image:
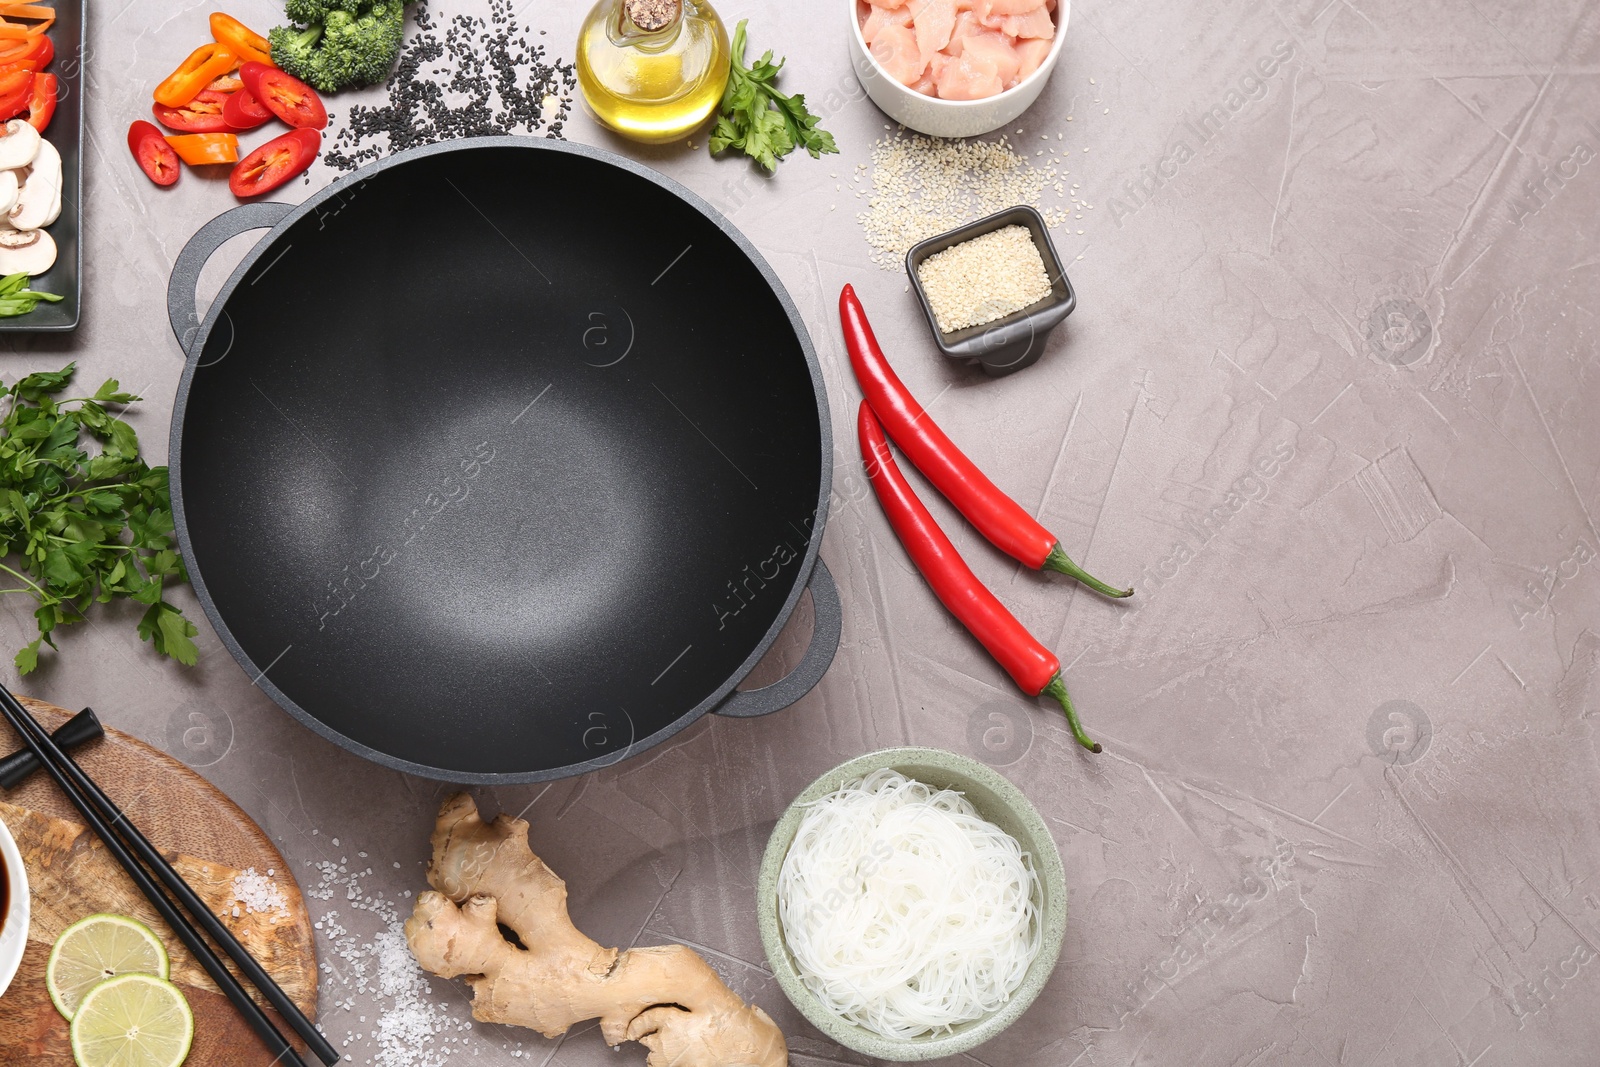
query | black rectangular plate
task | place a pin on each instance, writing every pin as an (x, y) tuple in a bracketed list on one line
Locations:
[(66, 133)]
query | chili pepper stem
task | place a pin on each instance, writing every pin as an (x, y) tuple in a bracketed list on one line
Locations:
[(1058, 690), (1058, 560)]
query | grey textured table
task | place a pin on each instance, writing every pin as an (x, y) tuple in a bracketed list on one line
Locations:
[(1328, 400)]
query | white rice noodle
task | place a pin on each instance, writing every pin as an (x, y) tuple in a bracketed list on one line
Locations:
[(907, 913)]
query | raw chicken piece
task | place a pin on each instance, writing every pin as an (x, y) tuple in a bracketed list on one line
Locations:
[(881, 17), (987, 8), (970, 76), (928, 84), (890, 4), (896, 51), (967, 24), (992, 48), (1032, 53), (1038, 24), (933, 21)]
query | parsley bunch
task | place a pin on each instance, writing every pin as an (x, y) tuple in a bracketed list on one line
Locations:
[(759, 120), (84, 528)]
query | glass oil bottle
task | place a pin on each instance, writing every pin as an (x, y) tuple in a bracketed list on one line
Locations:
[(653, 70)]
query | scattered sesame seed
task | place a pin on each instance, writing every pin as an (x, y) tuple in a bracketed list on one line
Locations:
[(924, 186)]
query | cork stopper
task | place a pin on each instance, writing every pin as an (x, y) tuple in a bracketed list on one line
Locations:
[(652, 15)]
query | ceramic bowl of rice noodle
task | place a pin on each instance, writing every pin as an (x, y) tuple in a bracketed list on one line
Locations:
[(911, 904), (955, 68)]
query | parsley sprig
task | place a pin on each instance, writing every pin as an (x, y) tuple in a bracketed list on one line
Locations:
[(75, 528), (760, 121)]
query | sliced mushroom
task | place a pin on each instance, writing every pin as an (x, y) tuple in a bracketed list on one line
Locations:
[(26, 251), (40, 193), (19, 143), (9, 191), (55, 208)]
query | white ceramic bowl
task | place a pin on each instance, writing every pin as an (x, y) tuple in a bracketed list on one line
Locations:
[(950, 118), (14, 924)]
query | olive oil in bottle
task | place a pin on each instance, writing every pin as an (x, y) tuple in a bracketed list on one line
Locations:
[(653, 70)]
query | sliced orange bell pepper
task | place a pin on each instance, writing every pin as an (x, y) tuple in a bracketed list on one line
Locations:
[(209, 61), (240, 39), (228, 83), (35, 54), (199, 149)]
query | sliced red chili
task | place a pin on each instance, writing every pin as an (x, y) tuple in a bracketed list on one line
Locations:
[(203, 114), (244, 112), (274, 163), (152, 152), (999, 518), (1034, 668), (286, 96)]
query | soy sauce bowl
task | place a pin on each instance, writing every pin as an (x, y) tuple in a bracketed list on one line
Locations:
[(14, 923), (998, 801)]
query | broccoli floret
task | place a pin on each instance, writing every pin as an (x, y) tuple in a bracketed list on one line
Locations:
[(312, 12), (353, 42)]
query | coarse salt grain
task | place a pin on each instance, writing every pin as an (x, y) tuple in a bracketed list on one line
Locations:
[(259, 894), (984, 279)]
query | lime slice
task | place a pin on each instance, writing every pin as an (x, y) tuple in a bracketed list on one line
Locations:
[(132, 1020), (94, 949)]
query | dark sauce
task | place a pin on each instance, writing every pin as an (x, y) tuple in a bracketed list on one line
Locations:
[(5, 893)]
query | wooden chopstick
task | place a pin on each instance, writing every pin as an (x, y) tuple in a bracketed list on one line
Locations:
[(99, 810)]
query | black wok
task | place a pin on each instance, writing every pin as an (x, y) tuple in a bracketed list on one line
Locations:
[(500, 460)]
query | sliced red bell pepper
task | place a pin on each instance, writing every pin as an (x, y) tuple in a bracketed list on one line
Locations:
[(205, 63), (16, 89), (42, 101)]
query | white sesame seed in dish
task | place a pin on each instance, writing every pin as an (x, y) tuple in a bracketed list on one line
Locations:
[(984, 279)]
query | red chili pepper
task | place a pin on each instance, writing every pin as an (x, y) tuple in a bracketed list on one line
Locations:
[(998, 517), (1034, 668)]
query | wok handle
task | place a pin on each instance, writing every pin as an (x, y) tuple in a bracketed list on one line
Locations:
[(182, 311), (829, 623)]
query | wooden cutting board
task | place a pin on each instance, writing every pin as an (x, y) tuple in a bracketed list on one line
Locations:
[(204, 835)]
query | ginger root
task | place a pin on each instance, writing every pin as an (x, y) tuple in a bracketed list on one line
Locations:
[(666, 998)]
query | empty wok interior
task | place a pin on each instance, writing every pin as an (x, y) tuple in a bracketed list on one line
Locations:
[(501, 461)]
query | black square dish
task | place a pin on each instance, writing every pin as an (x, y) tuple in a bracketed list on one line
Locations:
[(1017, 340), (65, 132)]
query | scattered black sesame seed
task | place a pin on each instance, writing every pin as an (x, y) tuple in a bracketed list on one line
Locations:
[(482, 79)]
